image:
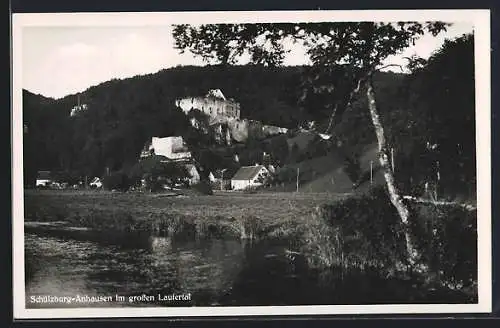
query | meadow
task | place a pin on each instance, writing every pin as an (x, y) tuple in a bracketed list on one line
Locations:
[(227, 214), (350, 232)]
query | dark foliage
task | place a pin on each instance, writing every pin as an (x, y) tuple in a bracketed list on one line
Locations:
[(446, 236), (118, 181), (203, 187), (441, 123), (157, 172)]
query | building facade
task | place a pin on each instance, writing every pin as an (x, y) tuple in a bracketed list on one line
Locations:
[(43, 179), (249, 176), (214, 104), (78, 109), (224, 118), (194, 175), (172, 148)]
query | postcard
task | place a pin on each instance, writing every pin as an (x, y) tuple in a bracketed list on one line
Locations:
[(251, 163)]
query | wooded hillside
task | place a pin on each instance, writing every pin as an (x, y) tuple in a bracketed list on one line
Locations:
[(433, 105)]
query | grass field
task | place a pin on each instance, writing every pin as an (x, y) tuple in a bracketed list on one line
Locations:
[(331, 230), (230, 213)]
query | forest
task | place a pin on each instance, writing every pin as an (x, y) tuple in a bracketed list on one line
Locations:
[(431, 108)]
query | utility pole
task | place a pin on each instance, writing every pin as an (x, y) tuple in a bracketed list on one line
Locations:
[(371, 172), (438, 178), (298, 172), (392, 159), (222, 179)]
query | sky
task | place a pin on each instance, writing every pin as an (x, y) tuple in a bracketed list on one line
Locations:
[(58, 61)]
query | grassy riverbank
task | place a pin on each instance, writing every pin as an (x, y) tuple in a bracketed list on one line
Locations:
[(264, 215), (365, 234), (329, 231)]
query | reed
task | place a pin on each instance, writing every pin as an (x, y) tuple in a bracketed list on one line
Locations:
[(361, 234)]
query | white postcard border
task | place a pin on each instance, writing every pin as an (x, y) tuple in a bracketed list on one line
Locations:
[(481, 22)]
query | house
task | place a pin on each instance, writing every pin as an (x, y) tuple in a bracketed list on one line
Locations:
[(43, 179), (96, 183), (221, 179), (249, 176), (78, 109), (193, 174), (173, 148), (271, 168)]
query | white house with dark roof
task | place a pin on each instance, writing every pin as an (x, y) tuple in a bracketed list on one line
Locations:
[(194, 175), (43, 178), (249, 176)]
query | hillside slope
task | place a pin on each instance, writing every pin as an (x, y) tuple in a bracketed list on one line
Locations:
[(123, 114), (331, 172), (334, 178)]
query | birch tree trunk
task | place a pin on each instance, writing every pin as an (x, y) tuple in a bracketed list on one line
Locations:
[(395, 197)]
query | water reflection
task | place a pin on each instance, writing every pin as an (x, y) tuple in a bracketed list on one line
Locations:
[(67, 266), (214, 272)]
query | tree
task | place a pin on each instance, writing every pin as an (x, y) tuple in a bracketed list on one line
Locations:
[(175, 174), (152, 169), (442, 100), (359, 48), (157, 171)]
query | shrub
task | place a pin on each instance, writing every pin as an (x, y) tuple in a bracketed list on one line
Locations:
[(116, 181), (447, 238), (368, 229), (203, 187), (353, 168), (250, 227), (367, 232), (251, 189), (70, 177)]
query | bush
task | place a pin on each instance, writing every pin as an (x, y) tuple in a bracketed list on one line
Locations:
[(116, 181), (203, 188), (251, 189), (353, 169), (447, 238), (368, 232), (368, 229), (70, 177)]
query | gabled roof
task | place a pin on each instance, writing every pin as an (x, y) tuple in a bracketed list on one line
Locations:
[(216, 93), (190, 167), (44, 175), (248, 172), (228, 173)]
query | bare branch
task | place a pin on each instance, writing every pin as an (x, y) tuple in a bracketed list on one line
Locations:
[(358, 86), (332, 116), (349, 101), (391, 65)]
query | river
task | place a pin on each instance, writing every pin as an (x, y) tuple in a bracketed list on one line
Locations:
[(140, 269)]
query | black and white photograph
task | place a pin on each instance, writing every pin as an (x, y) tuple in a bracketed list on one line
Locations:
[(182, 164)]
